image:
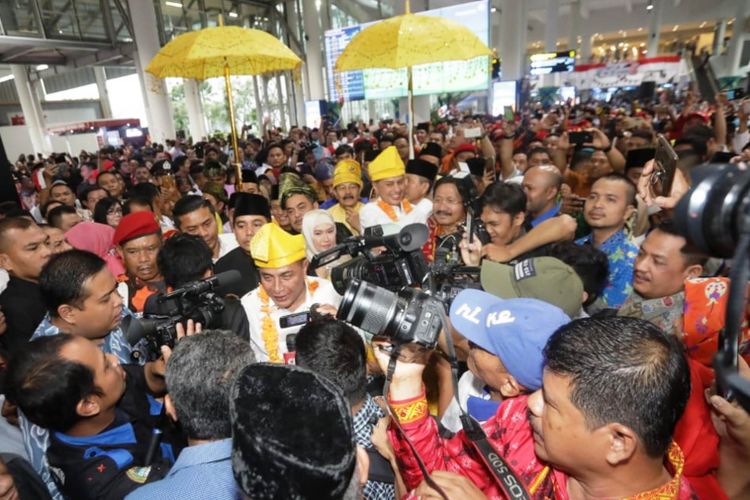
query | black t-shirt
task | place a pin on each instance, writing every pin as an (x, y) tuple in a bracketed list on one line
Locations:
[(23, 306), (109, 465), (240, 261)]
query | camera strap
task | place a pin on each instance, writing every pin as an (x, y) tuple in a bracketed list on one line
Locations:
[(494, 461)]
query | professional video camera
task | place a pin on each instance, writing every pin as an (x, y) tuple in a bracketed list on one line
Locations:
[(197, 300), (714, 216), (401, 264), (407, 316)]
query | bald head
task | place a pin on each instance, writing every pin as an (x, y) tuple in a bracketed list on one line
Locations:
[(542, 184)]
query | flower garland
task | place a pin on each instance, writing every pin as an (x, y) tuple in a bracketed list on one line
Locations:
[(269, 333), (388, 209)]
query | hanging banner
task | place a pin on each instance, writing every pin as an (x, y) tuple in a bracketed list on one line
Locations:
[(666, 69)]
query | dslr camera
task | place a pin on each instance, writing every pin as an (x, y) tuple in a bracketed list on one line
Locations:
[(401, 263), (404, 317), (198, 300)]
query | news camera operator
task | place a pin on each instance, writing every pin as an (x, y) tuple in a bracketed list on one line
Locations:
[(185, 259)]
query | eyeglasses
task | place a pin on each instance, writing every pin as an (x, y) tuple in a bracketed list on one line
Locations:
[(114, 211)]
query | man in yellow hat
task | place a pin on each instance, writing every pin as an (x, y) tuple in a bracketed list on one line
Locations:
[(388, 175), (276, 308), (347, 187)]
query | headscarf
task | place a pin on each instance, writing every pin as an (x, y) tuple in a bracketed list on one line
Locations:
[(97, 239), (310, 221)]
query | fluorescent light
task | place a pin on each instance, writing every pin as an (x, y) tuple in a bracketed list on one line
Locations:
[(675, 27), (650, 5), (234, 14), (5, 78), (41, 67), (493, 9), (176, 5), (703, 24)]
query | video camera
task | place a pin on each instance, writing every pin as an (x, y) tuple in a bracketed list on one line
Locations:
[(401, 264), (197, 300), (714, 216)]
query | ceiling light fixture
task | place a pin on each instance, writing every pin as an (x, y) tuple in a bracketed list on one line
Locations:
[(233, 14), (650, 5), (176, 5), (42, 67)]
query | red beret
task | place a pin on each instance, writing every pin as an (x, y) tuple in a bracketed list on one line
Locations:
[(134, 226), (465, 147)]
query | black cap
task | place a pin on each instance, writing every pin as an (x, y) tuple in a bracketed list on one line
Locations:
[(251, 204), (431, 149), (476, 166), (292, 434), (423, 168), (423, 126), (249, 176), (638, 157)]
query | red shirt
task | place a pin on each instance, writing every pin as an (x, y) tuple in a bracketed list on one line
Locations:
[(510, 434)]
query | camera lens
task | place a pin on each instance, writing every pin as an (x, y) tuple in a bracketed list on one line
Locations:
[(710, 214), (368, 306)]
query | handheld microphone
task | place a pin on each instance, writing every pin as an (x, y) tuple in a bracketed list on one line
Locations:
[(290, 357)]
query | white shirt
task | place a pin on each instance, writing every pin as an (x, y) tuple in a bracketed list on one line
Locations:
[(324, 294), (372, 215), (468, 385), (227, 243)]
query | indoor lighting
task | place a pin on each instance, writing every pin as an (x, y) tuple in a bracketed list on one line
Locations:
[(650, 5), (234, 14), (41, 67), (675, 27), (176, 5), (5, 78), (640, 29), (703, 24), (493, 9)]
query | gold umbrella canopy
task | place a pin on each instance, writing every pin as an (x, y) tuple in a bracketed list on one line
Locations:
[(223, 51), (409, 40), (207, 53)]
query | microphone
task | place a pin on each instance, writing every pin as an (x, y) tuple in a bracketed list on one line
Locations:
[(221, 280), (290, 357)]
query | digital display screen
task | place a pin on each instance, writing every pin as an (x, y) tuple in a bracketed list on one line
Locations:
[(450, 76), (553, 62)]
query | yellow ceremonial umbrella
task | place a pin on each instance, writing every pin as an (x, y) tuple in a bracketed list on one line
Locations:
[(409, 40), (223, 51)]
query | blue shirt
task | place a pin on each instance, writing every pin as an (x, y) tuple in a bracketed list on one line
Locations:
[(621, 253), (552, 212), (35, 438), (201, 471)]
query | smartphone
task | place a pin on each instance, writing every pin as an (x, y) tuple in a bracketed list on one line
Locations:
[(473, 133), (508, 114), (291, 320), (581, 137), (665, 164), (722, 157)]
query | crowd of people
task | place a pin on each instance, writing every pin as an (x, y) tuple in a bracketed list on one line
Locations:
[(170, 314)]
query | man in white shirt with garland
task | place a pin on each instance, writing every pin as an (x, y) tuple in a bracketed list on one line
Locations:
[(388, 175), (285, 289)]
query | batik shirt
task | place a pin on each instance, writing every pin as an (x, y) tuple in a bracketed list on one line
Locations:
[(35, 438), (621, 253)]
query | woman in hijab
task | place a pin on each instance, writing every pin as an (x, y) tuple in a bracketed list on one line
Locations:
[(96, 238), (319, 230)]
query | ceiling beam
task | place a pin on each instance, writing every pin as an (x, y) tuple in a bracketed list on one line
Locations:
[(104, 56), (50, 43)]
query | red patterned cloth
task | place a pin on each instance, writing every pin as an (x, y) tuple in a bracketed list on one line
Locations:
[(510, 433)]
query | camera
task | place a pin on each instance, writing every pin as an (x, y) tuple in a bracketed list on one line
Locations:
[(404, 317), (714, 216), (197, 300), (401, 264)]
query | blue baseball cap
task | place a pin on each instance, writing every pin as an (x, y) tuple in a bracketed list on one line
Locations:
[(514, 330)]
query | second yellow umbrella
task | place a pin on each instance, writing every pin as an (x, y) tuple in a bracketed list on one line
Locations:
[(410, 40)]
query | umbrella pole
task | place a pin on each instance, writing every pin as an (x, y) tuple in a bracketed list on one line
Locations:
[(410, 105), (233, 126)]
